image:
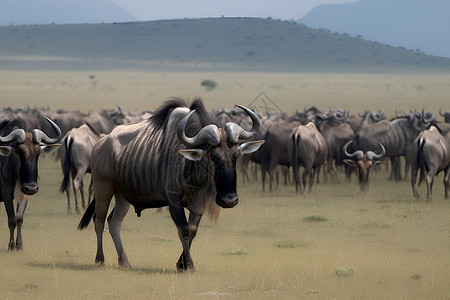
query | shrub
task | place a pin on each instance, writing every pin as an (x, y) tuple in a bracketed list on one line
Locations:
[(209, 84)]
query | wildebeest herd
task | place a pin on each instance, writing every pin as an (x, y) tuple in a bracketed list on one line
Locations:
[(185, 157)]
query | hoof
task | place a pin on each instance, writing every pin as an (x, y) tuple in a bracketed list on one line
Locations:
[(125, 265), (183, 268)]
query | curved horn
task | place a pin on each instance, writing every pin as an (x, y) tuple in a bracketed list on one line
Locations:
[(207, 135), (357, 154), (372, 156), (40, 137), (428, 117), (15, 135), (440, 112), (236, 132)]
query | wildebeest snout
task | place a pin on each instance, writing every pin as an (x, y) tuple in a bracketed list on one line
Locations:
[(30, 188), (227, 201)]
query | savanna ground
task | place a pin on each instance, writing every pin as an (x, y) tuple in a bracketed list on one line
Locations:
[(332, 243)]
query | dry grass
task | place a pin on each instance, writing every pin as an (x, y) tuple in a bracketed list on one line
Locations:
[(290, 91), (381, 246)]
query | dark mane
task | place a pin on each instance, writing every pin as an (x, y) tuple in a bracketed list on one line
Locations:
[(159, 118), (203, 114)]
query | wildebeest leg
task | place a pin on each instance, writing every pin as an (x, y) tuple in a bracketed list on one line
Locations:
[(244, 162), (277, 177), (305, 176), (255, 170), (91, 192), (120, 211), (430, 180), (348, 172), (326, 170), (69, 209), (407, 165), (103, 195), (287, 174), (194, 220), (414, 170), (78, 184), (311, 178), (75, 197), (393, 167), (11, 219), (19, 221), (333, 171), (318, 174), (83, 201), (446, 181), (298, 187), (263, 176), (179, 217)]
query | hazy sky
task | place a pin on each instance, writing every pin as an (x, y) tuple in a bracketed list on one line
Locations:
[(171, 9)]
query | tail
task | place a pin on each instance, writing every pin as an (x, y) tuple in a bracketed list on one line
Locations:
[(67, 164), (88, 215), (420, 160)]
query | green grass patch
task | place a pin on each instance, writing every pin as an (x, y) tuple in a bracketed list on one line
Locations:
[(345, 271), (314, 219), (290, 244), (31, 286), (238, 251)]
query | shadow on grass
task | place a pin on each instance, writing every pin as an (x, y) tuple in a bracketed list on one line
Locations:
[(94, 267)]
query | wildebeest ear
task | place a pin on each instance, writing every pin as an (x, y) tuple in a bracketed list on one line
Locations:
[(193, 154), (350, 162), (47, 149), (6, 150), (250, 147)]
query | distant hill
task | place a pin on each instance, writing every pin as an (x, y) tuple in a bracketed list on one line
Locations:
[(413, 24), (19, 12), (248, 44)]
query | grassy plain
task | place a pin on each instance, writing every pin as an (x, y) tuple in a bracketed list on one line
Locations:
[(333, 243), (290, 91)]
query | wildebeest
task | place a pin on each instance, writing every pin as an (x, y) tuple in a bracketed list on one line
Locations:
[(396, 136), (432, 152), (368, 117), (275, 151), (75, 156), (307, 147), (446, 115), (336, 132), (177, 158), (19, 150), (364, 163)]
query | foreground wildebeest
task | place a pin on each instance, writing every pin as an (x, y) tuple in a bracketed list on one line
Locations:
[(364, 163), (19, 153), (75, 155), (307, 147), (155, 164), (432, 152)]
